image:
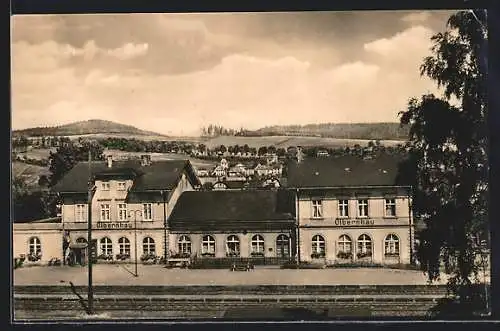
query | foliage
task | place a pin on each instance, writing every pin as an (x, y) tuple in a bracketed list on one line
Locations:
[(344, 255), (447, 164), (30, 206), (68, 155)]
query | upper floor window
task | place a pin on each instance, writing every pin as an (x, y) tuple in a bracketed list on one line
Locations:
[(80, 213), (122, 211), (363, 208), (105, 186), (105, 212), (317, 206), (343, 208), (121, 186), (390, 207), (147, 212)]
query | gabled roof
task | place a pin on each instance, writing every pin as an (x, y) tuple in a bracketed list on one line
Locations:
[(159, 175), (233, 210), (345, 171)]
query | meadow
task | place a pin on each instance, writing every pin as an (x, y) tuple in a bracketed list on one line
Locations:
[(287, 141)]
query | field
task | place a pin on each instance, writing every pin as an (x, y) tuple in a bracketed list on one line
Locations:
[(286, 141), (38, 153), (134, 136), (30, 173), (162, 156)]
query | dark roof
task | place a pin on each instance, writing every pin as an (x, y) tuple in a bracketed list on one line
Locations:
[(159, 175), (233, 210), (345, 171)]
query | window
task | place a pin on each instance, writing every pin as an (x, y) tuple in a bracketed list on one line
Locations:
[(364, 246), (282, 246), (345, 244), (391, 245), (35, 246), (105, 186), (233, 246), (122, 211), (258, 244), (121, 186), (184, 245), (80, 213), (317, 208), (148, 246), (318, 246), (124, 246), (363, 208), (208, 245), (343, 208), (106, 246), (105, 215), (390, 207), (148, 212)]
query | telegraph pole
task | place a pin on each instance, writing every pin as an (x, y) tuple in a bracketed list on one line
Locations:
[(89, 239)]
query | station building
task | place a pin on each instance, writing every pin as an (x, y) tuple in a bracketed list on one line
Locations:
[(352, 210), (131, 202)]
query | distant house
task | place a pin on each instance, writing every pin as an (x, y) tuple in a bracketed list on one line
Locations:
[(219, 171), (271, 183), (263, 170), (201, 172)]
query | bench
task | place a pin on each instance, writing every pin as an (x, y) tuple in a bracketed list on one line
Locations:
[(241, 266), (178, 262)]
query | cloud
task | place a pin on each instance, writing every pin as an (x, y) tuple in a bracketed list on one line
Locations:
[(414, 39), (418, 17)]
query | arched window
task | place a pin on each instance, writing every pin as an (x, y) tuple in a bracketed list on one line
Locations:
[(148, 246), (124, 246), (364, 246), (233, 245), (35, 246), (282, 246), (106, 246), (318, 245), (184, 244), (345, 244), (258, 244), (391, 245), (208, 245)]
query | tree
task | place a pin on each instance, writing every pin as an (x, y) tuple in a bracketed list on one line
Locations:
[(66, 156), (447, 148)]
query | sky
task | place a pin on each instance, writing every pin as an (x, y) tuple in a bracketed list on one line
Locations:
[(174, 73)]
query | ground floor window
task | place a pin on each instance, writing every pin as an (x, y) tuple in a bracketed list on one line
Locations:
[(208, 245), (344, 247), (391, 245), (257, 245), (35, 249), (184, 245), (364, 246), (282, 246), (233, 246), (106, 246), (318, 246), (148, 246), (124, 246)]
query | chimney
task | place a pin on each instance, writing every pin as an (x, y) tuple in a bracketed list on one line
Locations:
[(110, 160), (145, 160)]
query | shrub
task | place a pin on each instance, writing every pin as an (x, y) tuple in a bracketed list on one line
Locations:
[(361, 255), (317, 255), (105, 257), (122, 257), (344, 255), (33, 257)]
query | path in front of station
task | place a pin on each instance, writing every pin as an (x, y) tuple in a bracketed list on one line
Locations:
[(120, 274)]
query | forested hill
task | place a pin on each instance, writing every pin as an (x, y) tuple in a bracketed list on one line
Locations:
[(371, 131), (82, 128)]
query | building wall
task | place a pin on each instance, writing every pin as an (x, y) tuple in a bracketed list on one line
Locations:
[(49, 234), (377, 235), (220, 242), (331, 226)]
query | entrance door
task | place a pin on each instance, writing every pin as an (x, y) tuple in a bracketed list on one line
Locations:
[(283, 246)]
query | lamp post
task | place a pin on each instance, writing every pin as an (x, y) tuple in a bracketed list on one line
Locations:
[(484, 262), (134, 212), (91, 188)]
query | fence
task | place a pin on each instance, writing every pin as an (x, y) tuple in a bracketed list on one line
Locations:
[(227, 262)]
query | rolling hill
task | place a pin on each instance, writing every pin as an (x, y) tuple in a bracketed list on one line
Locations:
[(85, 128), (363, 131)]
